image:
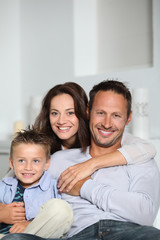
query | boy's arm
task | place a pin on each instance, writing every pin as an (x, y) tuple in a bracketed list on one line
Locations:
[(19, 227), (12, 213)]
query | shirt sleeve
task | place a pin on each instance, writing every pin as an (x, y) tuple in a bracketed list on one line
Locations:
[(136, 150), (138, 204)]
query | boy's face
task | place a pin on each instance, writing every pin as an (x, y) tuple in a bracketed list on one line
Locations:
[(29, 162)]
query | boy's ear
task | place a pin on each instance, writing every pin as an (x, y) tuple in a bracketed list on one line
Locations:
[(47, 164), (11, 163)]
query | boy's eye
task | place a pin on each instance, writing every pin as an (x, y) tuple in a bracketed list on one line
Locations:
[(21, 160), (36, 161)]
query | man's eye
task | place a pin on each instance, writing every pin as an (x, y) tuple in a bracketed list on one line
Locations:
[(117, 116), (100, 113)]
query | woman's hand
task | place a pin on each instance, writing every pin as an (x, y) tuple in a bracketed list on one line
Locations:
[(75, 173), (75, 191)]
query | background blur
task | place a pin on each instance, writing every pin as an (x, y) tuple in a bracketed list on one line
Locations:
[(46, 42)]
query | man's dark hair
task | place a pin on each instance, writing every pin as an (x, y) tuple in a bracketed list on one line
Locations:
[(115, 86)]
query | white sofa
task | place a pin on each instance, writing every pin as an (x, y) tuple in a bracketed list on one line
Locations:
[(156, 143)]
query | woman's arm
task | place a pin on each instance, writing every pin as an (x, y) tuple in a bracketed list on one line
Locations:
[(133, 150), (79, 171)]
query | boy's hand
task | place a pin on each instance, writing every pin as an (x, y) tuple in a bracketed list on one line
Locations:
[(12, 213), (19, 227)]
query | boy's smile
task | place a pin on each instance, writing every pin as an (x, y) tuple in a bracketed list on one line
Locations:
[(29, 162)]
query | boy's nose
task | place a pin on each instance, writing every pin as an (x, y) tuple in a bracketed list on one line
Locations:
[(28, 166)]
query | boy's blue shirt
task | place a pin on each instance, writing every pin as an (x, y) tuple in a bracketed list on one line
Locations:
[(34, 196)]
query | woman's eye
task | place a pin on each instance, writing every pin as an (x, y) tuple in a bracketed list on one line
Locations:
[(54, 113), (71, 113)]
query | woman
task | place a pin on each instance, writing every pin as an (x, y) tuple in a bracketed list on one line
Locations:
[(63, 117), (64, 104)]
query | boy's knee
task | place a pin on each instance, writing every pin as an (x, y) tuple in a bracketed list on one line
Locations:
[(58, 207)]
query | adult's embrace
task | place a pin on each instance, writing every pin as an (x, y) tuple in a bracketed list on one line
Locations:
[(64, 118), (119, 202)]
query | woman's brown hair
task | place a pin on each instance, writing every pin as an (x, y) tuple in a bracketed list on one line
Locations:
[(42, 122)]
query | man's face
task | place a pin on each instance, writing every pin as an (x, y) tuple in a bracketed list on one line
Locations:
[(108, 118)]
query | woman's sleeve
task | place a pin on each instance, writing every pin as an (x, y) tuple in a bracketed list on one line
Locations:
[(135, 149)]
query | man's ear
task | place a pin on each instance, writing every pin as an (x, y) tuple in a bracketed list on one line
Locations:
[(11, 163), (47, 164), (129, 118)]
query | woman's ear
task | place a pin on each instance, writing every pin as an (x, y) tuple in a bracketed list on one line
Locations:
[(47, 164), (11, 163)]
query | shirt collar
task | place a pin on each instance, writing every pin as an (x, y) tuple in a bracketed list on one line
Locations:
[(44, 182)]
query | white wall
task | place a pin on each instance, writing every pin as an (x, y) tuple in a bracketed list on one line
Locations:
[(10, 90), (37, 52)]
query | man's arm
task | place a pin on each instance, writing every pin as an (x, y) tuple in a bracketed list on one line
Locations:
[(12, 213), (138, 204)]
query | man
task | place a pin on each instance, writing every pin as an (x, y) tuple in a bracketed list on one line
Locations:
[(118, 202)]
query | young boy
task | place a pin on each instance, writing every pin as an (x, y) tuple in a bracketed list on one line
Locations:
[(24, 198)]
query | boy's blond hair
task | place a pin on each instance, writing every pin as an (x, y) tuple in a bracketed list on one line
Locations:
[(32, 136)]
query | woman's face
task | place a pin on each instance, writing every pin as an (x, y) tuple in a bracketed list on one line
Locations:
[(62, 117)]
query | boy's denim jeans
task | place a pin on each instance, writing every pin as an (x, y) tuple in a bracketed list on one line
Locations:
[(106, 230)]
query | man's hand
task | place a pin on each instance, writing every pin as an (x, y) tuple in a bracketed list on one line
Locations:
[(19, 227), (75, 173), (75, 191), (12, 213)]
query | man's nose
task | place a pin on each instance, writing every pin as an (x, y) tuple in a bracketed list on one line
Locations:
[(107, 122)]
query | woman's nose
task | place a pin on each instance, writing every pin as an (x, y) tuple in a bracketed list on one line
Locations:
[(62, 119)]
